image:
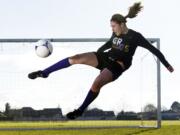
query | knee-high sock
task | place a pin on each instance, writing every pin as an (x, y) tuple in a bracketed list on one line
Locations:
[(89, 98), (64, 63)]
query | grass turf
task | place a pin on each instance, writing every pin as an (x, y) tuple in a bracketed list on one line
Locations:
[(168, 128)]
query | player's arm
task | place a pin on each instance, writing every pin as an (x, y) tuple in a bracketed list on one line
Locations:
[(145, 44), (106, 46)]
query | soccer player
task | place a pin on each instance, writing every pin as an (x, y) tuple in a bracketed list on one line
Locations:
[(112, 59)]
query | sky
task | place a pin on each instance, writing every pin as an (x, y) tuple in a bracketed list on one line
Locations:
[(84, 19)]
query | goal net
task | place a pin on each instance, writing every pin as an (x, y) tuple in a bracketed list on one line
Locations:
[(133, 100)]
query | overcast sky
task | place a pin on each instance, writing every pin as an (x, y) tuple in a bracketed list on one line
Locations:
[(82, 19)]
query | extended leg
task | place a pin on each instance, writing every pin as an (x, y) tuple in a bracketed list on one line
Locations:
[(102, 79), (84, 58)]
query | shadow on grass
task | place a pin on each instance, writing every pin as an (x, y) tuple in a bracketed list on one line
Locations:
[(142, 131)]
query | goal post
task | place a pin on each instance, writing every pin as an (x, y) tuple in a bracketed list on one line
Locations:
[(86, 40)]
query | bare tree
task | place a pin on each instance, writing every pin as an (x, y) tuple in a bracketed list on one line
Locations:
[(150, 108)]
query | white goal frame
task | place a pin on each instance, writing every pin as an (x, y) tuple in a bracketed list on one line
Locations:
[(151, 40)]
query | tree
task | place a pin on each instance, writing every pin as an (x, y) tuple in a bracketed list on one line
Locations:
[(163, 109), (175, 106), (150, 108), (7, 109)]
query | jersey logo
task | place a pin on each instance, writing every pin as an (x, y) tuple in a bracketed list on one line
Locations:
[(117, 43), (126, 48)]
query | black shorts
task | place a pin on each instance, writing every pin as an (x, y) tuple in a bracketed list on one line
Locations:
[(105, 62)]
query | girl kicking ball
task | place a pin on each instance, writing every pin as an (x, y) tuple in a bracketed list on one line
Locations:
[(112, 63)]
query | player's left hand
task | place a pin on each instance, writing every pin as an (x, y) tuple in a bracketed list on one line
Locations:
[(171, 69)]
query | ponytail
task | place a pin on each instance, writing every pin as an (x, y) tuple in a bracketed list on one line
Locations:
[(134, 10)]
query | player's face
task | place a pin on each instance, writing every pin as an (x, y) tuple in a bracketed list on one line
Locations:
[(116, 28)]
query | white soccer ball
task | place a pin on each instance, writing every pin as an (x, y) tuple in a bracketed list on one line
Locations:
[(43, 48)]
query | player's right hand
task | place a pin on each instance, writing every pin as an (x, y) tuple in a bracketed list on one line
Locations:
[(170, 68)]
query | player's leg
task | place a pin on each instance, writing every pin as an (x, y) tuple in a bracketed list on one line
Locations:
[(88, 58), (84, 58), (102, 79)]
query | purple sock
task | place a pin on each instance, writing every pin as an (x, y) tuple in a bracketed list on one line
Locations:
[(57, 66), (89, 98)]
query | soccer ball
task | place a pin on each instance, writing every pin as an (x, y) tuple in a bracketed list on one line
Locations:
[(43, 48)]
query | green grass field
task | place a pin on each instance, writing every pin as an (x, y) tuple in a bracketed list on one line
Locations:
[(168, 128)]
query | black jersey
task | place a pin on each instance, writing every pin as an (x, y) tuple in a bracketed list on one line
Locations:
[(123, 47)]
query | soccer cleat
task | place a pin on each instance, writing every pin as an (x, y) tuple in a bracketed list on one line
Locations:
[(36, 74), (73, 115)]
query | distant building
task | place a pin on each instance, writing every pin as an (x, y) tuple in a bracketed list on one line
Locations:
[(170, 115), (98, 114), (127, 116), (28, 113)]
